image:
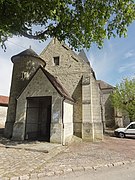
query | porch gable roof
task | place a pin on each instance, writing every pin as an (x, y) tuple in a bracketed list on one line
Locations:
[(54, 81), (57, 85)]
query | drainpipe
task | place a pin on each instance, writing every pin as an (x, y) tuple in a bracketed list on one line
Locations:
[(63, 143)]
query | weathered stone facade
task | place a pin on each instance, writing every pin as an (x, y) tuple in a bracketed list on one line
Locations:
[(111, 116), (66, 87), (108, 111), (22, 72), (3, 114), (77, 76), (3, 110), (39, 86)]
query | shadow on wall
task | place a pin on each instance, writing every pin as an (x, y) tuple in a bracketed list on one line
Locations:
[(77, 110), (109, 114)]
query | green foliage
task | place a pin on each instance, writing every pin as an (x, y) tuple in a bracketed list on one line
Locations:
[(81, 22), (123, 97)]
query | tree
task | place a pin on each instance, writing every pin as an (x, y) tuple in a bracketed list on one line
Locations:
[(123, 97), (80, 22)]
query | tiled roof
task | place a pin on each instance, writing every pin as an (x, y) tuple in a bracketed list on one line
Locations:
[(54, 81), (4, 100), (57, 85), (83, 56), (104, 85), (29, 53)]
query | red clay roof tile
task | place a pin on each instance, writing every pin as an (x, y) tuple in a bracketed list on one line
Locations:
[(4, 100)]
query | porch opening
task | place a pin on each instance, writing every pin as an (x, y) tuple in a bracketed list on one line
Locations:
[(38, 118)]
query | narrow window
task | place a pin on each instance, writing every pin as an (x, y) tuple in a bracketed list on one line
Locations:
[(25, 75), (56, 60)]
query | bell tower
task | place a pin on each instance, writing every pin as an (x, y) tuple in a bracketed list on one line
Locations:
[(24, 66)]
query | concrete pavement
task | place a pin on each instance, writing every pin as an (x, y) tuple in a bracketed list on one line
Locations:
[(36, 160)]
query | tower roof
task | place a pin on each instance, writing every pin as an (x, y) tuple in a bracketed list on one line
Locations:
[(83, 56), (104, 85), (58, 86), (26, 53)]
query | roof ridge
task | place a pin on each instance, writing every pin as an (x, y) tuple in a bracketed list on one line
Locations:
[(55, 82), (83, 55), (57, 85), (104, 85)]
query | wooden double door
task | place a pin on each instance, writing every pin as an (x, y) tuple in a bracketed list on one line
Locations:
[(38, 118)]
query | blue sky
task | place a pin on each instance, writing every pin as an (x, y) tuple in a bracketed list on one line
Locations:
[(112, 63), (116, 60)]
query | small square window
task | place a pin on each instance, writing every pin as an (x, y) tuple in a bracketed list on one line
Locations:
[(24, 75), (56, 60)]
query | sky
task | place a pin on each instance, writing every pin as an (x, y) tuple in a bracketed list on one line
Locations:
[(114, 62)]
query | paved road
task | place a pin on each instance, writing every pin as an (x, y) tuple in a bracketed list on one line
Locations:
[(85, 154), (124, 172), (76, 157)]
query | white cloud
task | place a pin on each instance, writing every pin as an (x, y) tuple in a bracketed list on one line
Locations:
[(5, 76), (127, 67), (14, 46), (17, 44), (104, 61), (129, 54)]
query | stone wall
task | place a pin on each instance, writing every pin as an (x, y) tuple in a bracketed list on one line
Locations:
[(75, 75), (70, 68), (67, 122), (77, 110), (23, 70), (108, 109), (78, 79), (96, 109), (33, 90), (3, 115), (87, 124), (92, 126)]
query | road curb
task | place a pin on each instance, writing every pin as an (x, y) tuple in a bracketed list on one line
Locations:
[(65, 171)]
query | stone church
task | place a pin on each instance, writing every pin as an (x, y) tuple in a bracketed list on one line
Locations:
[(54, 96)]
